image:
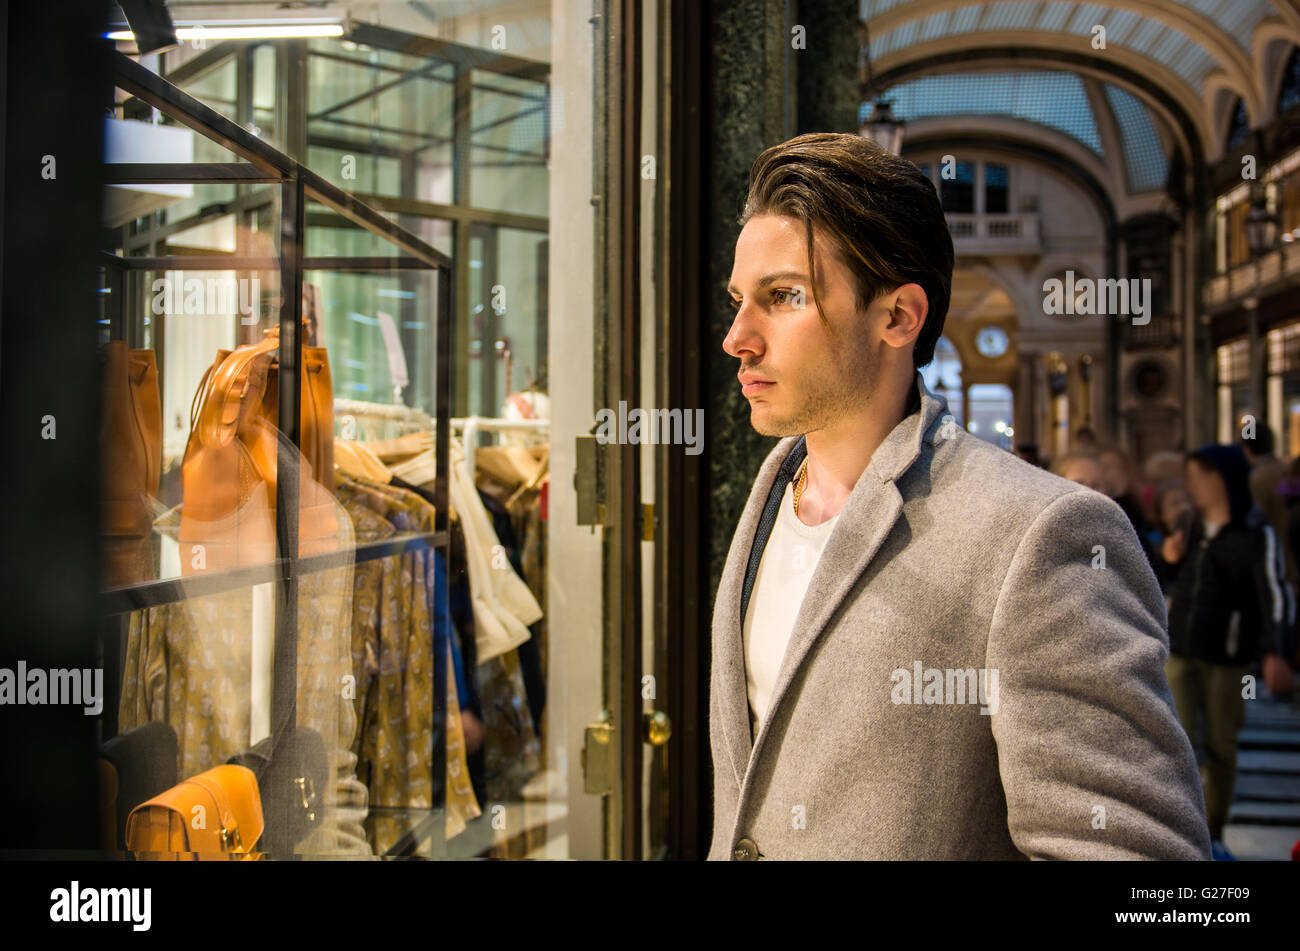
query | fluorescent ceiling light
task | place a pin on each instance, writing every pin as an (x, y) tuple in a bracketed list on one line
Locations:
[(222, 31)]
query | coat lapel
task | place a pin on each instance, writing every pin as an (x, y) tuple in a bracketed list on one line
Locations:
[(729, 655), (865, 522)]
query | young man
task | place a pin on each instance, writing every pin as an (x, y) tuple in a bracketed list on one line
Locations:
[(923, 648), (1230, 608)]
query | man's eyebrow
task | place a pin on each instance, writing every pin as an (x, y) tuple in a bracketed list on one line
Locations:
[(771, 279)]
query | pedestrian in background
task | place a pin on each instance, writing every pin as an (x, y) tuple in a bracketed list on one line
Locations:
[(1229, 606), (1082, 466), (1266, 471), (1117, 475), (1174, 514)]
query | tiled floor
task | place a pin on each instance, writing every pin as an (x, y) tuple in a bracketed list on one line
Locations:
[(1265, 819)]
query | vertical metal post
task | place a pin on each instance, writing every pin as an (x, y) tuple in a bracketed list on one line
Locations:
[(292, 227), (408, 309), (628, 537), (462, 159), (488, 333), (444, 329), (684, 546), (291, 69), (1258, 355), (542, 323), (115, 280)]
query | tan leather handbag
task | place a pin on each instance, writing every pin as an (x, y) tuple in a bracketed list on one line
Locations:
[(130, 436), (228, 474), (214, 815)]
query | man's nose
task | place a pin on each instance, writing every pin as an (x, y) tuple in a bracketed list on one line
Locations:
[(740, 337)]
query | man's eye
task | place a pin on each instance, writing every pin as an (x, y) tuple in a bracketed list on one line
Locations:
[(785, 296), (733, 303)]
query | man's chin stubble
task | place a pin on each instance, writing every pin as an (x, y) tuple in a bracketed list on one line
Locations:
[(766, 425), (820, 410)]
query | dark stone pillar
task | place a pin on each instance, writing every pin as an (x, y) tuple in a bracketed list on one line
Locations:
[(764, 89), (751, 109), (827, 68)]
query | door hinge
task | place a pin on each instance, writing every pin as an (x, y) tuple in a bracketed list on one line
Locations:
[(588, 477), (600, 756)]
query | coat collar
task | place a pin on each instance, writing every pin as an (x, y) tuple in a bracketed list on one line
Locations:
[(866, 520)]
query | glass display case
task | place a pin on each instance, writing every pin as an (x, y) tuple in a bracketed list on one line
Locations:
[(271, 601)]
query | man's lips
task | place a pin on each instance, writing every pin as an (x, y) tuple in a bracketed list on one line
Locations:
[(751, 383)]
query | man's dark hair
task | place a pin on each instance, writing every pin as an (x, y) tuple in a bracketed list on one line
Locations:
[(880, 212), (1261, 444)]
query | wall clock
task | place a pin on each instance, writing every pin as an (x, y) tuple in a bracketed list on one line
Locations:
[(992, 342)]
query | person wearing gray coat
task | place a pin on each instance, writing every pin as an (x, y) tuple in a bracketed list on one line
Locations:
[(922, 646)]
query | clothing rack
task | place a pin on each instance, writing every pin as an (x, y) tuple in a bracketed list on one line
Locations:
[(472, 424), (390, 411)]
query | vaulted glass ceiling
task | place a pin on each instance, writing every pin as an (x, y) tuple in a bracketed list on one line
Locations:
[(1173, 48), (1053, 99), (1164, 68), (1145, 161), (1190, 45)]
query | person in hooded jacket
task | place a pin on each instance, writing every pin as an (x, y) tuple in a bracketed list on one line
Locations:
[(1230, 607)]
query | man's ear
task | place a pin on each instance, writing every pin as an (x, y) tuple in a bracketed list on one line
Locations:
[(908, 307)]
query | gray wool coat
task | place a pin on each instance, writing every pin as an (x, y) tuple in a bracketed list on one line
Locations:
[(976, 672)]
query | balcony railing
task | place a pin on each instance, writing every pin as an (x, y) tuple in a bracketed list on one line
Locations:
[(994, 234), (1247, 278)]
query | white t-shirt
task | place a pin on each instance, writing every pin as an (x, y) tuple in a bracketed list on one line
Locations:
[(789, 559)]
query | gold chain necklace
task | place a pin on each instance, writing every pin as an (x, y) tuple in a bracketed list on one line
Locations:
[(799, 483)]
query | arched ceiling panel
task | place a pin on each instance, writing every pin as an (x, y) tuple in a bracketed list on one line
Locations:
[(1167, 45), (1053, 99), (1145, 161), (1236, 17), (1122, 66), (1189, 39)]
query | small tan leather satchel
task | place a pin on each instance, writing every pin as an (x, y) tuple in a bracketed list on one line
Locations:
[(216, 815), (229, 471), (130, 439)]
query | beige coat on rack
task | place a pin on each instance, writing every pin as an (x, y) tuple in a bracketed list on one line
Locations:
[(503, 605)]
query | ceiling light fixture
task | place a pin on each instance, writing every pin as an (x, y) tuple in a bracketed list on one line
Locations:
[(248, 30)]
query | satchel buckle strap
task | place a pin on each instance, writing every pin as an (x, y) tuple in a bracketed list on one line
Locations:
[(230, 840), (220, 799), (307, 791)]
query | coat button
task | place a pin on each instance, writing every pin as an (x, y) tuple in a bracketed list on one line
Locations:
[(746, 850)]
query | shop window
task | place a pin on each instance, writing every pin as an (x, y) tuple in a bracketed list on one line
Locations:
[(1284, 385), (1238, 247), (996, 192), (958, 194), (1233, 386), (1234, 362), (1289, 192)]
